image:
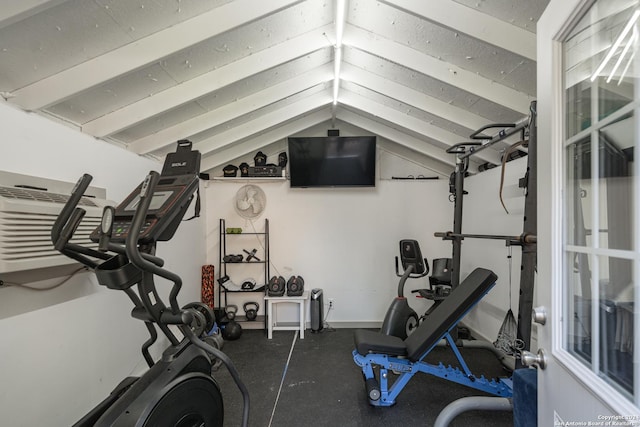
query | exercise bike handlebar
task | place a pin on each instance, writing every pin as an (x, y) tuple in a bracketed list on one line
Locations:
[(403, 279), (413, 275), (408, 274)]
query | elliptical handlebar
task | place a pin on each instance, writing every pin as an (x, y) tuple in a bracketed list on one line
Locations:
[(69, 229), (137, 258), (76, 194), (175, 315), (67, 223)]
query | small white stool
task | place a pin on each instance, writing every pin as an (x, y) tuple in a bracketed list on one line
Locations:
[(272, 324)]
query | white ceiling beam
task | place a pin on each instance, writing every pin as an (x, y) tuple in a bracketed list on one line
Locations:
[(416, 125), (287, 129), (16, 10), (412, 97), (474, 23), (265, 121), (397, 136), (147, 50), (440, 70), (206, 83), (232, 110)]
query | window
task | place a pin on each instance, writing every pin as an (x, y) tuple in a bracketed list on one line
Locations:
[(601, 253)]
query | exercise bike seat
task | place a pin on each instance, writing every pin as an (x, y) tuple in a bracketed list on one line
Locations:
[(437, 293)]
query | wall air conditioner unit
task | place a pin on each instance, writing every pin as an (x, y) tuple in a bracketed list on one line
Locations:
[(28, 208)]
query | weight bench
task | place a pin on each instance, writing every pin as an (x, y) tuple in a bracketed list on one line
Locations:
[(406, 357)]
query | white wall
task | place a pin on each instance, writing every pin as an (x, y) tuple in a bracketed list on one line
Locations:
[(341, 240), (345, 240), (58, 361)]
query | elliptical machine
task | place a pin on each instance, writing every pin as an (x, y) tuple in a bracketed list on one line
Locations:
[(401, 319), (177, 390)]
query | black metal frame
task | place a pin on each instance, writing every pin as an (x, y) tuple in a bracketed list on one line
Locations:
[(527, 240)]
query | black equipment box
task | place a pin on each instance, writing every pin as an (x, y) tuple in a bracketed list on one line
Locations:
[(265, 171)]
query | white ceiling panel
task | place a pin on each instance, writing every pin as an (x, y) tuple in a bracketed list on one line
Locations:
[(56, 39), (228, 95), (117, 93), (408, 110), (521, 13), (247, 40), (245, 121), (237, 76), (428, 85), (445, 44)]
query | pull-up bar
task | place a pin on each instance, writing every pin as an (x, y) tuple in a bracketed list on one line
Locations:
[(521, 240), (488, 141)]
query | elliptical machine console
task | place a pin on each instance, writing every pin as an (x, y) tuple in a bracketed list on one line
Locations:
[(171, 198), (178, 389)]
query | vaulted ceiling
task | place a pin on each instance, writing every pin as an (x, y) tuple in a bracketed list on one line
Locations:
[(240, 76)]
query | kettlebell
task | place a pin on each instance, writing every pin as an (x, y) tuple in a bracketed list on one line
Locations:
[(232, 331), (231, 311), (251, 310)]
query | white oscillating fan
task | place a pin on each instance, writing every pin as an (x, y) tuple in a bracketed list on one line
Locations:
[(250, 201)]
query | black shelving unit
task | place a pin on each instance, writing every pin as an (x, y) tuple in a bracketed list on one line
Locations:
[(234, 243)]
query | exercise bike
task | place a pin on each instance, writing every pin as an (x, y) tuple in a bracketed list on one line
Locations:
[(401, 320), (178, 390)]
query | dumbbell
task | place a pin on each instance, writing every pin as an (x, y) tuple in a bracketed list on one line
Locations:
[(232, 258), (217, 342)]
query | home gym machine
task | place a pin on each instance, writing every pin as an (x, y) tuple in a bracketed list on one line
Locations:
[(177, 389), (378, 355), (519, 345), (527, 240)]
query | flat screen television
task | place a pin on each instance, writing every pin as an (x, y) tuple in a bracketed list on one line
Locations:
[(332, 161)]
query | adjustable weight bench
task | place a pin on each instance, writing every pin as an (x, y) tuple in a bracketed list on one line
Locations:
[(406, 357)]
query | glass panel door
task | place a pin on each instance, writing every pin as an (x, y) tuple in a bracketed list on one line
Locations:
[(600, 221)]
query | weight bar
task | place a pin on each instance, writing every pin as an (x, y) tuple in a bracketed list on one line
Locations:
[(523, 239)]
